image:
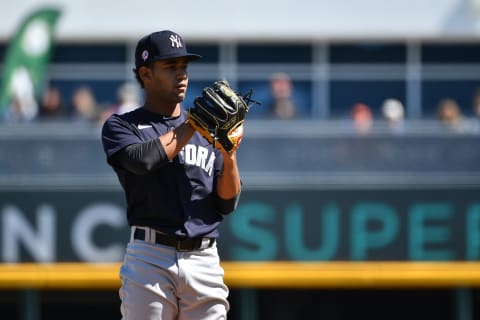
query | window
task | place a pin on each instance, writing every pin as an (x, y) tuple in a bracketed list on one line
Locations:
[(448, 72), (103, 90), (344, 94), (301, 96), (451, 53), (460, 91), (368, 53), (89, 53), (209, 53), (249, 53)]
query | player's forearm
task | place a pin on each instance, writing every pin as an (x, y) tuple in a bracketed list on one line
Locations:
[(229, 183), (174, 140)]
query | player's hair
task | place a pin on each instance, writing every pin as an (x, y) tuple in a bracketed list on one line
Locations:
[(137, 75)]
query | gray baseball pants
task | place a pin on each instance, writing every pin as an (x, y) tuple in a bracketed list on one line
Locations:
[(161, 283)]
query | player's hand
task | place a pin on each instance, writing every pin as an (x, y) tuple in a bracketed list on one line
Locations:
[(237, 136)]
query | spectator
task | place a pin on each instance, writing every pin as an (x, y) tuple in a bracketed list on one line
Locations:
[(128, 99), (393, 113), (23, 106), (128, 96), (450, 115), (281, 88), (15, 111), (51, 105), (84, 106), (362, 118)]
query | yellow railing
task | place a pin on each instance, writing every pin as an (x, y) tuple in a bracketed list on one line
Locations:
[(259, 275)]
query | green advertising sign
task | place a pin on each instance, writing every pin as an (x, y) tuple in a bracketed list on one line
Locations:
[(428, 224)]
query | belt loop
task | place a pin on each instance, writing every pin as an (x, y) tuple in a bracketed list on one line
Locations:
[(147, 234), (206, 243), (153, 235), (132, 233)]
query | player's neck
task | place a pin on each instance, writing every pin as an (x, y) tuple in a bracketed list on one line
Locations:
[(171, 110)]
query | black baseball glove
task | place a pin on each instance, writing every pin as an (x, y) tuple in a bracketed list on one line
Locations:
[(219, 113)]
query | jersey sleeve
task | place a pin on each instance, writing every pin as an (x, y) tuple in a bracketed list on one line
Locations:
[(218, 164), (116, 135)]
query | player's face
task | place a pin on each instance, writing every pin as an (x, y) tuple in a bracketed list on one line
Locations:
[(168, 80)]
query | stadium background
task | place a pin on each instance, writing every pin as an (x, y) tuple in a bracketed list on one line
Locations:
[(376, 208)]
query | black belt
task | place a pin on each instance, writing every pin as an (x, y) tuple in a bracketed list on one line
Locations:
[(187, 244)]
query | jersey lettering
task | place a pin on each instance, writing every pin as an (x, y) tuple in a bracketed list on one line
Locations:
[(209, 166), (202, 156), (197, 156), (190, 154)]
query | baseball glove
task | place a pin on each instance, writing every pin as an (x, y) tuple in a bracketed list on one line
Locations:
[(219, 113)]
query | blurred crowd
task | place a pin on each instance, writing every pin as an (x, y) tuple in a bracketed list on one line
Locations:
[(392, 115), (281, 104), (81, 107), (449, 115)]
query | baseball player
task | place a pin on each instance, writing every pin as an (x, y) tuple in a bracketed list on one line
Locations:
[(177, 186)]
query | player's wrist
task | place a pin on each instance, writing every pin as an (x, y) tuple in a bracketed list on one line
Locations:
[(230, 156)]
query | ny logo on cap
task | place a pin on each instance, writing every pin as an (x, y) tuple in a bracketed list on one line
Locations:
[(175, 41)]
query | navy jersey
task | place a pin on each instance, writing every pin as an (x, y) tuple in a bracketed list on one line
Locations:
[(177, 198)]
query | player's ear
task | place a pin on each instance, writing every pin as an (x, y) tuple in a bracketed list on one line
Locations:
[(145, 73)]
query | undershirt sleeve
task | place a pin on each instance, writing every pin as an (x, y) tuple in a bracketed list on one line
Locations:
[(141, 158), (226, 206)]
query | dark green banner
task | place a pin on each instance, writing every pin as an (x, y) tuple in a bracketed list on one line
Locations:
[(436, 224)]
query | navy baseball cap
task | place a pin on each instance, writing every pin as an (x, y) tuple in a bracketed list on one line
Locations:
[(161, 45)]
